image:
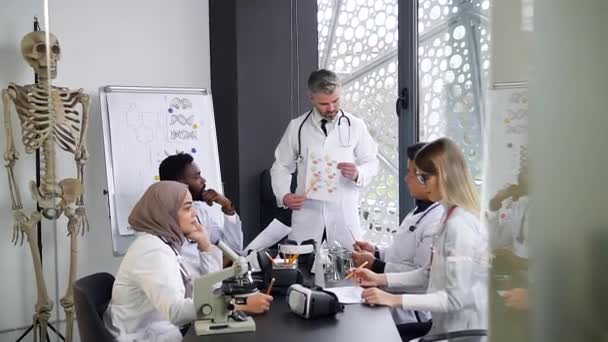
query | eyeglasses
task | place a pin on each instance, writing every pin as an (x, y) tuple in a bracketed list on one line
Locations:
[(422, 178)]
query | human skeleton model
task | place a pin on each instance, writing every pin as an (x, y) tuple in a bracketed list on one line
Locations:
[(49, 116)]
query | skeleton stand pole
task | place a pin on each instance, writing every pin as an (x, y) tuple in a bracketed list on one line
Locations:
[(39, 228)]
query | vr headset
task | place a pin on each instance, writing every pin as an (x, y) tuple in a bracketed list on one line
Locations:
[(310, 304)]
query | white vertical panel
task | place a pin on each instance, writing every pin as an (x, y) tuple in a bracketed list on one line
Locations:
[(568, 123)]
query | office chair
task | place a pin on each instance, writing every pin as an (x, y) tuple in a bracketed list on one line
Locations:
[(268, 202), (92, 295)]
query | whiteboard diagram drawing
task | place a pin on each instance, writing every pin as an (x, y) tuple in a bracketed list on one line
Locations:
[(182, 120), (142, 123), (143, 126), (180, 103)]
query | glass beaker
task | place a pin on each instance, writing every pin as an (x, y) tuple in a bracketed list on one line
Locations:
[(347, 263)]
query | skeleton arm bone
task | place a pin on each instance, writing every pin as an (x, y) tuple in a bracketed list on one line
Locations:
[(81, 155), (11, 156), (81, 152)]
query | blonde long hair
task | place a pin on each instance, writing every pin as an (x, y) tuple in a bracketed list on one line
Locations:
[(444, 159)]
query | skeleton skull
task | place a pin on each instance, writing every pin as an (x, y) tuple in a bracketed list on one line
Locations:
[(34, 49)]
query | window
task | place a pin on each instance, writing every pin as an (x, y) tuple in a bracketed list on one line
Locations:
[(454, 60), (358, 40)]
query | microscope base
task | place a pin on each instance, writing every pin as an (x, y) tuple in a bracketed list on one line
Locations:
[(209, 328)]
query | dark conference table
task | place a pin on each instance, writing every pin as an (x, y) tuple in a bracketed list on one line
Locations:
[(357, 323)]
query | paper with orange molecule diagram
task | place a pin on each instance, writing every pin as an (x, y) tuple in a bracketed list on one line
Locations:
[(322, 174)]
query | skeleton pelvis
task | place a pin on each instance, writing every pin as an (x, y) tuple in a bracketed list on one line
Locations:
[(67, 191), (71, 190)]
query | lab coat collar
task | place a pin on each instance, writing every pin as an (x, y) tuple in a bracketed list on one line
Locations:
[(446, 207), (422, 206)]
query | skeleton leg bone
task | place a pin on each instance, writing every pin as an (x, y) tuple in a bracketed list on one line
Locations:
[(71, 191), (67, 301), (44, 304)]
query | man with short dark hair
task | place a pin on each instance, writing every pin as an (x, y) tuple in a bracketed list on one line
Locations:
[(182, 168)]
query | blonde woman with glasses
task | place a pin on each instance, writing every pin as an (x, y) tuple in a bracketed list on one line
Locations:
[(457, 270)]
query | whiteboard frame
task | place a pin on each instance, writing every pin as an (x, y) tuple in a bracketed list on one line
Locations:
[(120, 243)]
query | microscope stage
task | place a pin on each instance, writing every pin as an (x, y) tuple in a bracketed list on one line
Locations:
[(203, 327)]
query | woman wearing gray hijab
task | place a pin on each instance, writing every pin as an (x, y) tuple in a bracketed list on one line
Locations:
[(152, 293)]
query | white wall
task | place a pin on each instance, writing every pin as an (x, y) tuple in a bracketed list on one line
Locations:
[(568, 121), (510, 40), (137, 42)]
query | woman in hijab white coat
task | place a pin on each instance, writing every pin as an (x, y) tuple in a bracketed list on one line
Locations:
[(457, 273), (152, 293)]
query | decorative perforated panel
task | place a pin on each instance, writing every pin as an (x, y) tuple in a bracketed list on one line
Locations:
[(453, 57), (358, 40)]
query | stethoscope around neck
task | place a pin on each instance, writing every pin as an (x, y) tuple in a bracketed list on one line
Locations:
[(342, 116), (413, 227)]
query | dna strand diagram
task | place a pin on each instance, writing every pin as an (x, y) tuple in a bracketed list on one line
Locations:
[(182, 120)]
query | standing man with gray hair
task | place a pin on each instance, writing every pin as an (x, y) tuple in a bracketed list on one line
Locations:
[(325, 126)]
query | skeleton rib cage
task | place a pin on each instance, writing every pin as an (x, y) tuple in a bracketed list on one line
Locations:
[(42, 115)]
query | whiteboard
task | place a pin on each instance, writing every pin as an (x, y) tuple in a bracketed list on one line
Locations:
[(144, 125)]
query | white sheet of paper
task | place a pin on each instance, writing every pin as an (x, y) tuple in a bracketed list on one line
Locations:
[(322, 174), (272, 234), (347, 294)]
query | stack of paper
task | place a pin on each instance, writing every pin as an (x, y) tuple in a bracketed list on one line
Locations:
[(347, 294), (272, 234)]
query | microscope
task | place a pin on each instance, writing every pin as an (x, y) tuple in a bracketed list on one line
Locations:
[(215, 312)]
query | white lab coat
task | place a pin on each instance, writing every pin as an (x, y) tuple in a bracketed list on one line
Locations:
[(230, 231), (200, 263), (509, 226), (148, 301), (411, 251), (314, 216), (457, 294)]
